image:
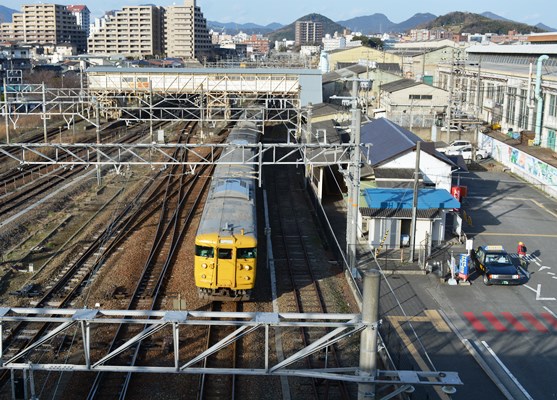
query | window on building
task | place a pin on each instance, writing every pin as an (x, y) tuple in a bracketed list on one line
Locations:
[(420, 97), (552, 111), (490, 92), (500, 95), (511, 105)]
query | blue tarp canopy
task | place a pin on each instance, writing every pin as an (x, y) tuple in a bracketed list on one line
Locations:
[(402, 198)]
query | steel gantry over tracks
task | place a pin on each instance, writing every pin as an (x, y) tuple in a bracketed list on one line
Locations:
[(339, 328), (170, 94)]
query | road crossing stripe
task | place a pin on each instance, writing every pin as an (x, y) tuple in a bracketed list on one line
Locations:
[(476, 323), (550, 319), (534, 321), (515, 322), (494, 321)]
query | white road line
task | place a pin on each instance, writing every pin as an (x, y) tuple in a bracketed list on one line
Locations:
[(539, 293), (509, 374), (542, 268), (540, 205), (551, 312), (528, 287), (551, 273)]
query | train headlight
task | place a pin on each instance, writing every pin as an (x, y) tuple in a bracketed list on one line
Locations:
[(247, 267), (203, 276), (203, 265), (246, 278)]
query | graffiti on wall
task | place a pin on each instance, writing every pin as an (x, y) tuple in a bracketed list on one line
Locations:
[(541, 171)]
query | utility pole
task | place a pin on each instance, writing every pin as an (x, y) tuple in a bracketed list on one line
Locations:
[(415, 202), (368, 339), (356, 160), (98, 122), (7, 111), (44, 115), (352, 177), (449, 107), (479, 107)]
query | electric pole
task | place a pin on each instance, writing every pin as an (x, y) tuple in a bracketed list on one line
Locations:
[(415, 203)]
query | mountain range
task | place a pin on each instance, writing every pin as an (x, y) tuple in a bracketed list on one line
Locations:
[(380, 23), (6, 14), (232, 27), (375, 23)]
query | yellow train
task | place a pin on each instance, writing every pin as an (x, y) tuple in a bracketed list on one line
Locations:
[(226, 241)]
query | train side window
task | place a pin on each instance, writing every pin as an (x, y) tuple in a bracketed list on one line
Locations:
[(204, 251), (247, 253), (225, 254)]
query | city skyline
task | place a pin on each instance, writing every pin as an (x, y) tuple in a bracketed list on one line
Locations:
[(287, 11)]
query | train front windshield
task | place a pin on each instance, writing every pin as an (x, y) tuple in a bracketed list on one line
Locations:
[(204, 251), (247, 253)]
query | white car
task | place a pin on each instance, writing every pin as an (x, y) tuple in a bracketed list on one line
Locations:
[(466, 153), (454, 128), (454, 146)]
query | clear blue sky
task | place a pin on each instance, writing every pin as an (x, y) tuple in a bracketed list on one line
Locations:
[(286, 11)]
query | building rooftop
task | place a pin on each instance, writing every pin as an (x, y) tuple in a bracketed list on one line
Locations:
[(402, 198), (390, 140), (230, 71), (399, 85)]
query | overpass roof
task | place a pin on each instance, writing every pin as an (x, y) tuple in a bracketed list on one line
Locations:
[(213, 71)]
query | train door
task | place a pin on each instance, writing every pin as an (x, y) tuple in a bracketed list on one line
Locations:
[(226, 266)]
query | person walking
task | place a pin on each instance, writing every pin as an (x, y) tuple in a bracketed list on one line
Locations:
[(521, 250)]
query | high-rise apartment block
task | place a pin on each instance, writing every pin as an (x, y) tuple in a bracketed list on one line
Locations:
[(44, 24), (174, 31), (136, 31), (133, 31), (82, 17), (308, 32), (186, 34)]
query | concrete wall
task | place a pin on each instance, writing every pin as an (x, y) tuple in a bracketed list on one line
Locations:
[(434, 170), (529, 168), (379, 226)]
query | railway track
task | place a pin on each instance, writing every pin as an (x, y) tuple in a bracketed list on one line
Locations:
[(171, 227), (298, 287), (67, 285), (220, 387), (23, 194)]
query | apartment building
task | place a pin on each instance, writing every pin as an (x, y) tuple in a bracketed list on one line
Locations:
[(51, 24), (333, 43), (82, 17), (308, 32), (134, 31), (139, 31), (186, 34)]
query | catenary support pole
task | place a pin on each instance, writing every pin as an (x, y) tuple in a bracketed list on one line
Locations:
[(44, 115), (351, 211), (368, 339), (7, 113), (98, 122), (415, 203)]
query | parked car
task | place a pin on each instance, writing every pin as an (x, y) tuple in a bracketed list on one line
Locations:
[(496, 265), (467, 152), (454, 128), (455, 146)]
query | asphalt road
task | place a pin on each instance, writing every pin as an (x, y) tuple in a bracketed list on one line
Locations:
[(504, 211), (518, 324)]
